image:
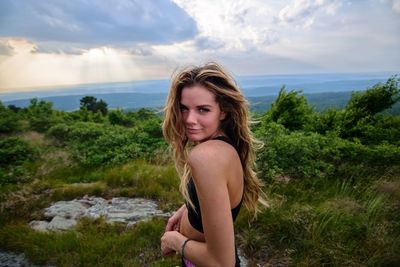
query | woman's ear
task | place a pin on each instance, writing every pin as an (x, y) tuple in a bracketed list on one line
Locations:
[(222, 116)]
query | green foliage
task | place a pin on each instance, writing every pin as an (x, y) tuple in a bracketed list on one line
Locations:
[(94, 144), (139, 178), (381, 129), (94, 243), (91, 104), (328, 121), (301, 155), (290, 109), (363, 106), (41, 115), (14, 153), (338, 223), (118, 117), (332, 181), (9, 120)]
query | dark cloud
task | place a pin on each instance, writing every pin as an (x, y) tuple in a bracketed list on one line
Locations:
[(95, 21), (206, 43)]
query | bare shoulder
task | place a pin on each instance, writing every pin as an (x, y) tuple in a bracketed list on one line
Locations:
[(212, 153)]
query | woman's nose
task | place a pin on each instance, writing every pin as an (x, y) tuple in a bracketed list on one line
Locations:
[(190, 117)]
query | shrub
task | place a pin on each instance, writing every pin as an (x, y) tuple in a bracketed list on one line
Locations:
[(93, 144), (301, 155), (291, 110), (41, 115), (14, 152), (9, 121)]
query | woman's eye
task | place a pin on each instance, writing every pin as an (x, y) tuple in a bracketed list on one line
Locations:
[(203, 110), (183, 109)]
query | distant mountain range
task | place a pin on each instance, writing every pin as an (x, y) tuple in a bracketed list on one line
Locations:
[(322, 90)]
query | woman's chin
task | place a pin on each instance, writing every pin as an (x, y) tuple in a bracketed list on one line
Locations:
[(195, 137)]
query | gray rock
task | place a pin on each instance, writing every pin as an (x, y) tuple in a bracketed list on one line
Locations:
[(243, 260), (67, 209), (12, 259), (61, 223), (9, 259), (41, 226), (65, 214)]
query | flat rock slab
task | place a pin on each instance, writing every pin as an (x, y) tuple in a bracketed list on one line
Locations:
[(11, 259), (64, 215)]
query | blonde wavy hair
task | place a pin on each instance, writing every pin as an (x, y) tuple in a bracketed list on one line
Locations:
[(236, 126)]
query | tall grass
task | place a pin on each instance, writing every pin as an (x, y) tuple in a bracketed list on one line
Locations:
[(93, 243), (344, 224), (139, 178)]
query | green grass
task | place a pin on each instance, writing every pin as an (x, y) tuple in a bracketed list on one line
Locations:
[(339, 224), (93, 243), (142, 179), (349, 220)]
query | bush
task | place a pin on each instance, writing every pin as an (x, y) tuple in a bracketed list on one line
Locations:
[(9, 121), (14, 152), (363, 106), (118, 117), (93, 144), (41, 115), (291, 110), (301, 155)]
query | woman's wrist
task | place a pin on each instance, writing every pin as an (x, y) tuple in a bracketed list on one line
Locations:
[(184, 244), (179, 242)]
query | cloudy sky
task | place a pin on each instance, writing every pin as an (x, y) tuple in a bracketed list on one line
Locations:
[(58, 42)]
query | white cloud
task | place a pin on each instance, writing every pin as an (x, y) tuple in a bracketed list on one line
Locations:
[(29, 67), (396, 5), (65, 43), (237, 25), (303, 12)]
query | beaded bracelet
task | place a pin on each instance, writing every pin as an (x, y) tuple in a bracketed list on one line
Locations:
[(183, 247)]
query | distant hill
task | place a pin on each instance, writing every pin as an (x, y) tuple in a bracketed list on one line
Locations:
[(114, 100), (322, 91), (320, 101), (313, 88)]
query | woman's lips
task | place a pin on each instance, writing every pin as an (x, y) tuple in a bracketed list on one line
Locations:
[(189, 130)]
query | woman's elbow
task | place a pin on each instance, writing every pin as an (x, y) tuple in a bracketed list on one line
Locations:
[(223, 262)]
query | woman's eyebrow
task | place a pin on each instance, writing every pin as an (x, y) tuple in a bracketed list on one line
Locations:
[(204, 106), (198, 106)]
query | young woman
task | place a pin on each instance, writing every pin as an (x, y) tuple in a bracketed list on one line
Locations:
[(207, 125)]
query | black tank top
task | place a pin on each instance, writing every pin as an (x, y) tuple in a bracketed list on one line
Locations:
[(194, 215)]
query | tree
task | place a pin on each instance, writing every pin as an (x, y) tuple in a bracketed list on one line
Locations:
[(14, 108), (363, 106), (41, 115), (291, 110), (102, 107), (90, 103), (118, 117), (9, 121)]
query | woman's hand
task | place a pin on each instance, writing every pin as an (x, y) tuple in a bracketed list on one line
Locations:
[(170, 242), (173, 223)]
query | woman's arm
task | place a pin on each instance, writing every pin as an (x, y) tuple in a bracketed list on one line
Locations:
[(195, 251), (211, 164), (174, 221), (173, 224)]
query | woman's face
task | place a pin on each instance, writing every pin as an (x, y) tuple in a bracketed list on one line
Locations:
[(201, 113)]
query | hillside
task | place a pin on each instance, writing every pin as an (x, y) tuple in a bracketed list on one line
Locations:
[(331, 180)]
